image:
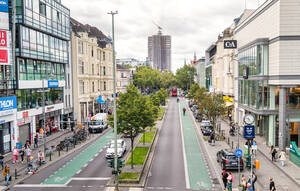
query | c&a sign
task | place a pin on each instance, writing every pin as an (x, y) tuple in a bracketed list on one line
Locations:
[(230, 44)]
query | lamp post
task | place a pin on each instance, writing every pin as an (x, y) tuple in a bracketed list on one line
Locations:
[(114, 103)]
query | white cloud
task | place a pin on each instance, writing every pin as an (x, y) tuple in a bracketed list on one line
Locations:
[(193, 24)]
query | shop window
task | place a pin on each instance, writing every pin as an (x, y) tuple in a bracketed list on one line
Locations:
[(42, 8)]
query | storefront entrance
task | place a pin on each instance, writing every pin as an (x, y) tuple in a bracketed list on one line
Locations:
[(24, 133), (5, 135)]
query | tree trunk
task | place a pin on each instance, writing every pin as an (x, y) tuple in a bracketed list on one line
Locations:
[(144, 137), (132, 140)]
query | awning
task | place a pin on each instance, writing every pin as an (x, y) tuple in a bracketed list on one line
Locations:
[(228, 101)]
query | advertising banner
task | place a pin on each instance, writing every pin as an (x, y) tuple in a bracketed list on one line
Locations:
[(4, 6), (8, 103)]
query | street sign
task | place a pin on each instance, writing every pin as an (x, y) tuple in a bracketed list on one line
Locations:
[(249, 131), (238, 152)]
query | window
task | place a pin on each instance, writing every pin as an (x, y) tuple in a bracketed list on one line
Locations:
[(92, 52), (81, 67), (81, 87), (80, 47), (93, 86), (58, 17), (28, 4), (104, 86), (103, 56), (104, 71), (66, 100), (93, 72), (69, 81), (42, 8), (122, 75)]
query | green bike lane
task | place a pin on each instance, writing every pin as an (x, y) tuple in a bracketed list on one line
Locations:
[(64, 174), (197, 171)]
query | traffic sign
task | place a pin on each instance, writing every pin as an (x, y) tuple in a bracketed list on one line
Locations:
[(238, 152)]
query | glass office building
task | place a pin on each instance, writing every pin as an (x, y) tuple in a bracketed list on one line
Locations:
[(42, 54)]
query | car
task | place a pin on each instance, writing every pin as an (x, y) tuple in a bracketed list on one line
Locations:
[(194, 108), (110, 152), (207, 130), (204, 123), (98, 123), (228, 160)]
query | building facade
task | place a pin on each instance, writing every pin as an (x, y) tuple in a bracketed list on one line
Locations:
[(268, 71), (210, 60), (159, 51), (92, 70), (124, 77), (42, 56)]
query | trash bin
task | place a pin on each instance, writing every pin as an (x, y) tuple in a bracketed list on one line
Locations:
[(257, 164)]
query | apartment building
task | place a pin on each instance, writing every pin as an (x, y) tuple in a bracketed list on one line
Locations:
[(124, 77), (92, 70), (267, 73)]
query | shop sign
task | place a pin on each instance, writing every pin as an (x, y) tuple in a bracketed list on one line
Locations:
[(249, 131), (3, 38), (230, 44), (8, 103), (4, 21), (4, 6), (25, 114), (2, 121), (3, 56), (53, 84)]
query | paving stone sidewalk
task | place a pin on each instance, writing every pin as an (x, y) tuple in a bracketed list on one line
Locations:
[(285, 178)]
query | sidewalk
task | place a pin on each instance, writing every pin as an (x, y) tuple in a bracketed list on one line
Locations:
[(53, 139), (285, 178)]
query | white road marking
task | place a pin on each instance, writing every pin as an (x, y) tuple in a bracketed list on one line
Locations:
[(91, 178), (40, 186), (187, 178), (91, 160), (85, 165), (79, 171), (96, 154)]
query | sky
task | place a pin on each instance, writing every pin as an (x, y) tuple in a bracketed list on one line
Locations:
[(193, 24)]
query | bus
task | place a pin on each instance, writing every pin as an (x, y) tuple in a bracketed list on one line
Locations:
[(174, 92)]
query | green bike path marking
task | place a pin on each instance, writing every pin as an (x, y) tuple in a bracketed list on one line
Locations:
[(197, 171), (64, 174)]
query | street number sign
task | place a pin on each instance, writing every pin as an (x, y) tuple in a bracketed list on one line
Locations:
[(238, 152)]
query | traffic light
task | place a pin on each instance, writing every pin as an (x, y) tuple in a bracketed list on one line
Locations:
[(111, 163), (121, 163)]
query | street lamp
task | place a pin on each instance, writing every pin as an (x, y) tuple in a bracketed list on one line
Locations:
[(114, 103)]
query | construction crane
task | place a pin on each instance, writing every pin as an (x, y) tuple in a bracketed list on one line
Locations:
[(159, 27)]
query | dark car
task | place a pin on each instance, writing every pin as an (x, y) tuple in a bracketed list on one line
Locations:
[(207, 130), (229, 161)]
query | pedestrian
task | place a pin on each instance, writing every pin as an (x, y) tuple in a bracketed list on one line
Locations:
[(22, 154), (1, 160), (274, 152), (212, 137), (229, 181), (184, 111), (28, 153), (282, 158), (41, 131), (6, 174), (230, 117), (244, 183), (15, 153), (224, 178), (249, 187), (272, 184), (36, 139), (253, 180), (27, 145)]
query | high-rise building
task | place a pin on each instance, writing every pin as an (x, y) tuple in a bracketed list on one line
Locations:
[(159, 51)]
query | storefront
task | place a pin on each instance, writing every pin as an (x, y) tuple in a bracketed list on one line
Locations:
[(52, 122), (8, 133)]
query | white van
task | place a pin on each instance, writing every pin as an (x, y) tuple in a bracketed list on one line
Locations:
[(98, 123)]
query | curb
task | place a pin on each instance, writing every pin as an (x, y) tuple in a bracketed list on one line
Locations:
[(53, 161)]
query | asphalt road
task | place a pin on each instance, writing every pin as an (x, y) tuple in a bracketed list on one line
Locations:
[(93, 174), (167, 170)]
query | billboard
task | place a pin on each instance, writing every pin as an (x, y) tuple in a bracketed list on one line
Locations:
[(8, 103), (4, 6), (4, 47)]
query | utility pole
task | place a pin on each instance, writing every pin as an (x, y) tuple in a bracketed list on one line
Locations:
[(114, 104)]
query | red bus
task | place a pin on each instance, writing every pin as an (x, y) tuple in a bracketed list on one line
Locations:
[(174, 92)]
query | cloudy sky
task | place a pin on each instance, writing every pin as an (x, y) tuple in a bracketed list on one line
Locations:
[(193, 24)]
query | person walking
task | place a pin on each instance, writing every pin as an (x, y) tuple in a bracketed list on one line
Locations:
[(249, 187), (282, 158), (224, 178), (273, 153), (244, 183), (229, 181), (272, 184), (6, 174), (1, 160), (36, 140), (28, 153), (15, 153), (22, 154), (252, 180), (184, 110)]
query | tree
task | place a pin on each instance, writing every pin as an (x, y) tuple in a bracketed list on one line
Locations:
[(167, 79), (135, 112), (193, 91), (213, 106), (185, 77), (162, 95), (146, 78)]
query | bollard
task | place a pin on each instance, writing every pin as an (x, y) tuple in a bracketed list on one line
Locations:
[(232, 145), (16, 175), (40, 162), (50, 156), (228, 141), (59, 152), (67, 147)]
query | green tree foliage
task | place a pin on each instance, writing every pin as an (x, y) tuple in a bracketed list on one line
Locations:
[(146, 77), (162, 95), (193, 90), (167, 79), (185, 77), (135, 112)]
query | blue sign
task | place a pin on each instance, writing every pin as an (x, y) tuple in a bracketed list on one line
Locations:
[(238, 152), (249, 132), (8, 103), (53, 84), (99, 100), (4, 6)]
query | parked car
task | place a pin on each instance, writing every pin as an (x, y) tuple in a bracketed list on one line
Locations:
[(207, 130), (228, 160), (98, 123), (110, 152), (194, 107), (204, 123)]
